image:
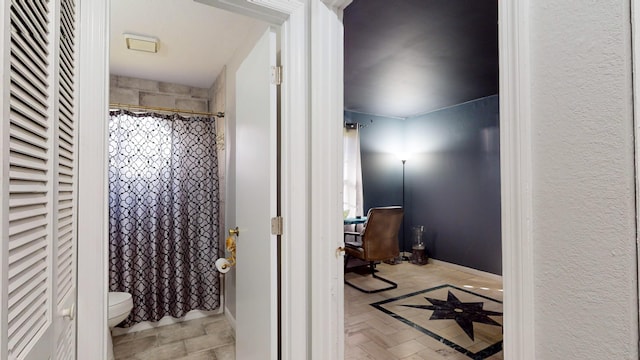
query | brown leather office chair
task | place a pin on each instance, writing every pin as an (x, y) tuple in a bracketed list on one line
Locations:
[(377, 242)]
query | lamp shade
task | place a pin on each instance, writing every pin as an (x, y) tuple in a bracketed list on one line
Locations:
[(403, 156)]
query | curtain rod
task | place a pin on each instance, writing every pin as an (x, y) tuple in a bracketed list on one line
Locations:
[(140, 107)]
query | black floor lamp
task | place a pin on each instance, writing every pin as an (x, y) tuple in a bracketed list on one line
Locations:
[(403, 158)]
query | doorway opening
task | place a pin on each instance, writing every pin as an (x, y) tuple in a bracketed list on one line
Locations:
[(202, 68), (422, 91)]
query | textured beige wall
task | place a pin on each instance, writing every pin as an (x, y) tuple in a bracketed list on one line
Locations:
[(217, 104)]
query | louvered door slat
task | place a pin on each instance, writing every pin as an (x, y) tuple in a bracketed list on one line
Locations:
[(24, 200), (23, 127), (65, 254), (66, 192), (27, 93), (26, 116), (66, 197), (65, 103), (65, 124), (20, 147), (24, 54), (26, 322), (21, 137), (28, 264), (39, 181), (23, 226), (67, 17), (27, 237), (20, 160), (65, 137), (65, 344), (38, 15), (27, 188), (26, 212), (19, 186), (42, 7), (32, 21), (17, 173), (67, 162), (28, 289), (21, 35), (66, 149), (34, 281), (27, 75), (65, 230), (65, 71), (64, 210), (25, 292), (66, 158)]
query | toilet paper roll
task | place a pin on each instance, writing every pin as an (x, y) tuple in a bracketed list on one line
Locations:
[(223, 265)]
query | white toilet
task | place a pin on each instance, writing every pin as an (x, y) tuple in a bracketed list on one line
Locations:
[(120, 305)]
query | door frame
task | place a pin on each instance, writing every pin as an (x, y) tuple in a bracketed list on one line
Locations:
[(312, 103), (635, 60), (516, 179), (292, 18), (515, 169)]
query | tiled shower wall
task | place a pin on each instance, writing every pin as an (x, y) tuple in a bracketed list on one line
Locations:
[(133, 91)]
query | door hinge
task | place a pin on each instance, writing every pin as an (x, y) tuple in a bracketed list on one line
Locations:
[(276, 75), (276, 225)]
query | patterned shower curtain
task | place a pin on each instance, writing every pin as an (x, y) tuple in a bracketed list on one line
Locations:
[(163, 213)]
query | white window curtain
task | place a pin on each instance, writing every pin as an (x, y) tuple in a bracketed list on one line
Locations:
[(352, 188)]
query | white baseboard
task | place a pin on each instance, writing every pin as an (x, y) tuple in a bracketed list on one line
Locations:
[(167, 320), (466, 269), (230, 318)]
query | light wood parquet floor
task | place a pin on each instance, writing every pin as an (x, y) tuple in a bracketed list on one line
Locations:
[(372, 334)]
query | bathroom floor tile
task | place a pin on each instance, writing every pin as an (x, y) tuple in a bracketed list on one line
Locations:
[(209, 338)]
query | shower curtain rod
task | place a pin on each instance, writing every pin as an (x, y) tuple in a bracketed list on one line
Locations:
[(140, 107)]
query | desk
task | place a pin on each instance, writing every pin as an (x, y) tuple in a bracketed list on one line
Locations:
[(355, 220)]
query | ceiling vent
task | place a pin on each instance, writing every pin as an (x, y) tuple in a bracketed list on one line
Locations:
[(141, 43)]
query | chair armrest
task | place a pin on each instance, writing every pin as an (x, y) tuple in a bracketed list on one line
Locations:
[(352, 233)]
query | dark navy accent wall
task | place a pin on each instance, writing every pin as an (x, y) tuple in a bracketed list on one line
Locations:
[(452, 178)]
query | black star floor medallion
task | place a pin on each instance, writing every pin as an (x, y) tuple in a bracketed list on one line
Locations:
[(465, 314), (452, 321)]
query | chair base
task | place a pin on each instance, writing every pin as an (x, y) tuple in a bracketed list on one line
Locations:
[(372, 267)]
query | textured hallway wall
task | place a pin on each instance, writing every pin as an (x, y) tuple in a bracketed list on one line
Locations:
[(583, 180)]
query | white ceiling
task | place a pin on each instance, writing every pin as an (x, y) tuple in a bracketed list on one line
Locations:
[(196, 40)]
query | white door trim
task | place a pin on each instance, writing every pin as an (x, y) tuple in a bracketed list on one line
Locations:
[(635, 55), (93, 207), (516, 180), (326, 263)]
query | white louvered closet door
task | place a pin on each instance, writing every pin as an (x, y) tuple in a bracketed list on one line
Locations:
[(38, 183)]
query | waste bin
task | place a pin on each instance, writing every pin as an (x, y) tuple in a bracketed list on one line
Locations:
[(418, 248)]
